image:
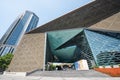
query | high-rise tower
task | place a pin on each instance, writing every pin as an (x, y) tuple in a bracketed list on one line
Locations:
[(24, 23)]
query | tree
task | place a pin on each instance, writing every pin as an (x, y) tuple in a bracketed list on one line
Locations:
[(5, 61)]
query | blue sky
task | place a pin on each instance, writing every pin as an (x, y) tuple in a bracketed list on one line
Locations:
[(46, 10)]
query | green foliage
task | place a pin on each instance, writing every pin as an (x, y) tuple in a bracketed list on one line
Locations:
[(5, 61), (119, 65), (95, 67), (51, 67)]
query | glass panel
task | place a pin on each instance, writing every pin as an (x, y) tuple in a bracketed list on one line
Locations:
[(19, 28), (61, 37), (102, 43), (69, 46), (6, 50)]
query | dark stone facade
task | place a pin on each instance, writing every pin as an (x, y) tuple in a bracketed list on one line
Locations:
[(82, 17)]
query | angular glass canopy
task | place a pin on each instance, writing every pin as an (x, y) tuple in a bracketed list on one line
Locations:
[(57, 38), (69, 46)]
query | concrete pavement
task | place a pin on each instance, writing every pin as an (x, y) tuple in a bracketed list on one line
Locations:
[(3, 77), (69, 73), (61, 75)]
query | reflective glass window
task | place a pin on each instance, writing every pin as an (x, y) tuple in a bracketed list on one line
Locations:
[(102, 43)]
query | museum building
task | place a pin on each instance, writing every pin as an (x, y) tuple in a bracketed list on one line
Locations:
[(89, 32)]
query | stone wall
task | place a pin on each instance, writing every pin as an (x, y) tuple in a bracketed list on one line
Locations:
[(111, 23), (84, 16), (29, 55)]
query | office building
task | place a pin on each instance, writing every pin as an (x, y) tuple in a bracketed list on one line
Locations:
[(23, 24)]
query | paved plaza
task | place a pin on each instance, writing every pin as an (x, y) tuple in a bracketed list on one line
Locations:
[(61, 75), (3, 77)]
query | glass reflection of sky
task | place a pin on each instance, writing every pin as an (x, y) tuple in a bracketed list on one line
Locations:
[(100, 42)]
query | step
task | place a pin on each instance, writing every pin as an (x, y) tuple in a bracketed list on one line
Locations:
[(74, 73)]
